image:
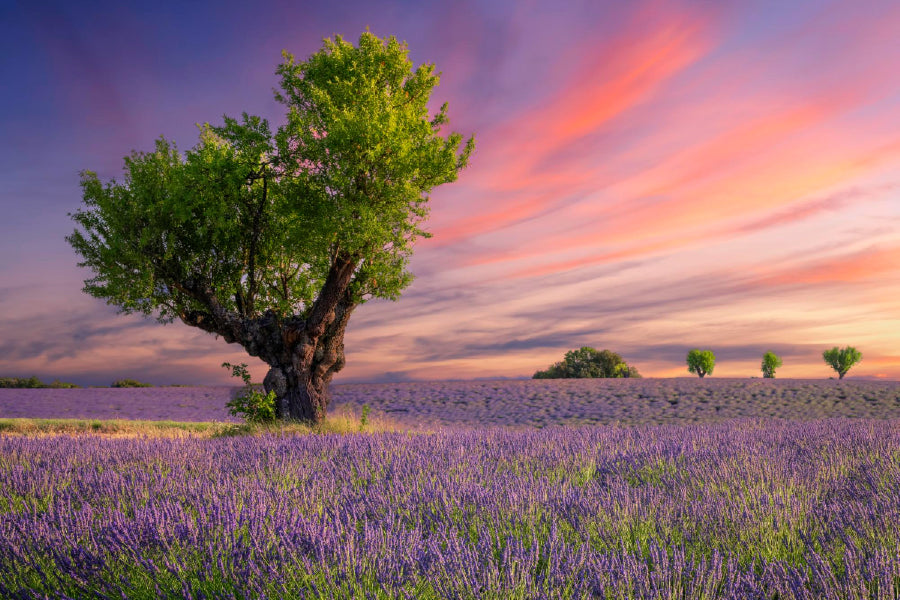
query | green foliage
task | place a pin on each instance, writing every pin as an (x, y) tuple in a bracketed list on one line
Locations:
[(21, 382), (841, 359), (251, 220), (129, 383), (34, 382), (770, 362), (57, 384), (239, 371), (586, 362), (252, 405), (364, 417), (701, 362)]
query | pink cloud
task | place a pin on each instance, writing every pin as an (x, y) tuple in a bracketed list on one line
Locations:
[(866, 264), (613, 77)]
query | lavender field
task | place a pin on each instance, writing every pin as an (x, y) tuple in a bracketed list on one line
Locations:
[(679, 488), (514, 403), (745, 509)]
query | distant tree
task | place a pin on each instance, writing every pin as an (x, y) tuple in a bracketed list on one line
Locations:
[(586, 363), (841, 359), (770, 362), (129, 383), (271, 240), (701, 362)]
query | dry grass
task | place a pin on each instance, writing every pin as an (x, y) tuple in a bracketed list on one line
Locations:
[(342, 422)]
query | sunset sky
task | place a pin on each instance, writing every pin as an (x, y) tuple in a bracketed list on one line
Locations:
[(650, 177)]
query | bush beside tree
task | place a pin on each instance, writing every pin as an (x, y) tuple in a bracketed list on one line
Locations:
[(586, 363), (252, 405)]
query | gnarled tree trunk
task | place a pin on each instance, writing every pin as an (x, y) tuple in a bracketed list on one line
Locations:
[(303, 353), (301, 383)]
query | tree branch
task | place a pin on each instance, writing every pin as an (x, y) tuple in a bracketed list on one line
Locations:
[(322, 311), (226, 324), (254, 239)]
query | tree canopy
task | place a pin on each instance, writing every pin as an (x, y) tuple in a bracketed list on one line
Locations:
[(586, 362), (271, 238), (257, 218), (770, 362), (701, 362), (842, 359)]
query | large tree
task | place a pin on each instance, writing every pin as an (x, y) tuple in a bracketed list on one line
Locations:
[(271, 239)]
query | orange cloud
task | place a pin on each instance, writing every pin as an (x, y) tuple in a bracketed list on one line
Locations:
[(884, 360), (866, 264)]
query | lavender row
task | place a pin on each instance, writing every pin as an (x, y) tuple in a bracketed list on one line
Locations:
[(518, 403), (749, 509), (542, 403), (137, 404)]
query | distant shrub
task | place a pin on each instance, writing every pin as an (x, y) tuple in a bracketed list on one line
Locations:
[(129, 383), (32, 382), (770, 362), (252, 405), (701, 362), (586, 363), (58, 385), (841, 359)]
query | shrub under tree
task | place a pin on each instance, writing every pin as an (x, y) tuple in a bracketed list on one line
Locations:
[(271, 239), (701, 362), (586, 362), (842, 359)]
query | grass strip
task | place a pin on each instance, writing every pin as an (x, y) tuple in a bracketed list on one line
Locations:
[(344, 422)]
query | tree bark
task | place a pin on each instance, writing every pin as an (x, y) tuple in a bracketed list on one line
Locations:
[(309, 353), (301, 385), (298, 395)]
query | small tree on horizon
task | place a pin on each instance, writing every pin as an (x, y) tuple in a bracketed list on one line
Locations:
[(701, 362), (842, 359), (271, 239), (770, 362)]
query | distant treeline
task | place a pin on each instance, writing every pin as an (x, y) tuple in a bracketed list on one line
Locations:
[(34, 382), (588, 363)]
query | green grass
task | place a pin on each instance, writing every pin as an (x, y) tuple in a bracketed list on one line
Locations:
[(342, 422)]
